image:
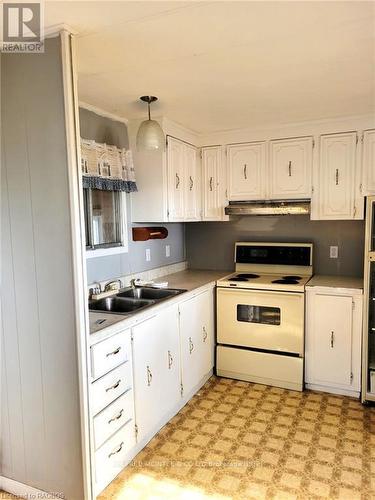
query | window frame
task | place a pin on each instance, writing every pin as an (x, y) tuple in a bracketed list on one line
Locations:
[(107, 248)]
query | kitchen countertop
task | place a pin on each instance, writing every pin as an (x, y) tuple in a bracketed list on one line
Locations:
[(188, 280), (346, 282)]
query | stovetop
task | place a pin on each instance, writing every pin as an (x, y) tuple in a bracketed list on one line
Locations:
[(279, 282)]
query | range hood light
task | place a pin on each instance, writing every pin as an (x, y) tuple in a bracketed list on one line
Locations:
[(280, 207)]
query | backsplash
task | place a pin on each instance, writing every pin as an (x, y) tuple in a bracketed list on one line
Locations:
[(152, 274), (210, 245), (133, 262)]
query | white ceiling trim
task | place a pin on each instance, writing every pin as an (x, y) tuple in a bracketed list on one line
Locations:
[(102, 112)]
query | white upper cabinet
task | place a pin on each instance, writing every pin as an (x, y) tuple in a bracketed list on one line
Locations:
[(246, 171), (212, 183), (369, 162), (183, 181), (291, 168), (176, 179), (337, 193), (192, 185)]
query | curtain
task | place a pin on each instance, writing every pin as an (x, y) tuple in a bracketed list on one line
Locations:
[(107, 168)]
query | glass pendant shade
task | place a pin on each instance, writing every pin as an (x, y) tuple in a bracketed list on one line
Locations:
[(150, 136)]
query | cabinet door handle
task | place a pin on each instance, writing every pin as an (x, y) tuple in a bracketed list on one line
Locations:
[(113, 353), (337, 176), (114, 386), (177, 180), (332, 339), (117, 450), (245, 171), (211, 182), (290, 169), (149, 376), (191, 183), (170, 360), (205, 335), (117, 417), (191, 345)]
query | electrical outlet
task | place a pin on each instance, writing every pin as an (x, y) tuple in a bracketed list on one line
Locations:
[(148, 254), (334, 252), (167, 250)]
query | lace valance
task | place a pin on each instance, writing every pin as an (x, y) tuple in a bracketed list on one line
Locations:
[(107, 167)]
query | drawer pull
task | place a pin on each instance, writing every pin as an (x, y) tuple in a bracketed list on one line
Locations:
[(337, 176), (114, 386), (170, 360), (114, 452), (290, 169), (332, 339), (245, 171), (211, 183), (117, 417), (113, 353), (149, 376), (204, 334), (191, 345)]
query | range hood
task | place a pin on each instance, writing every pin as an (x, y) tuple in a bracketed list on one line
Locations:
[(278, 207)]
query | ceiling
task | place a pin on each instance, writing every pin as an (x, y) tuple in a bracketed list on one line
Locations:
[(225, 65)]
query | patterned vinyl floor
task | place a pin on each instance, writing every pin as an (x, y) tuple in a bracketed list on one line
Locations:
[(236, 440)]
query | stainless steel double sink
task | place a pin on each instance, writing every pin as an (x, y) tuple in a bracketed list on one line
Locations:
[(130, 300)]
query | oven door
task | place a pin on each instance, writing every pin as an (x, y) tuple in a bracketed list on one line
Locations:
[(266, 320)]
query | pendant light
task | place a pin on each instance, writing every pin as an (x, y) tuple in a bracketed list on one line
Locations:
[(150, 136)]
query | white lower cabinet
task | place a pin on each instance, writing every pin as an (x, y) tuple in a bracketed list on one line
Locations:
[(197, 339), (333, 340), (112, 407), (113, 455), (156, 361), (164, 359)]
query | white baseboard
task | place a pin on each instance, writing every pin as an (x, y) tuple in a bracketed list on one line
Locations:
[(333, 390), (23, 490)]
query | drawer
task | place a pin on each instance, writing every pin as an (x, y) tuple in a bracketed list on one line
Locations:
[(110, 387), (110, 353), (112, 457), (112, 418)]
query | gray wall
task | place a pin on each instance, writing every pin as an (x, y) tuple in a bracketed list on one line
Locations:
[(103, 129), (40, 421), (211, 245)]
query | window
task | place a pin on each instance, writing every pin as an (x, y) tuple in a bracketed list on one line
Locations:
[(258, 314), (104, 220)]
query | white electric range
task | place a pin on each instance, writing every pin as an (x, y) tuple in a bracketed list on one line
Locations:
[(261, 314)]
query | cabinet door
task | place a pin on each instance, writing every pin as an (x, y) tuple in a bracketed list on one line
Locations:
[(330, 340), (246, 164), (196, 334), (337, 176), (369, 162), (211, 167), (156, 370), (192, 184), (206, 312), (175, 165), (290, 168)]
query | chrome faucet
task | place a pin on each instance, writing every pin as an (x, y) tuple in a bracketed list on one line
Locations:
[(132, 283), (110, 285)]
